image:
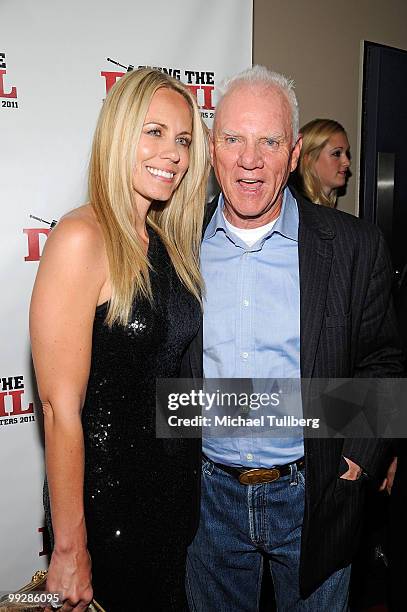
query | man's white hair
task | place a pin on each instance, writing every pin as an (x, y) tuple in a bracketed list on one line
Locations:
[(260, 75)]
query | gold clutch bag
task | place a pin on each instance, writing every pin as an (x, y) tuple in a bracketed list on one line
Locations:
[(33, 597)]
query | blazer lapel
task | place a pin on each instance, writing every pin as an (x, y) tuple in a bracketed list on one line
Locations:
[(315, 258), (196, 354), (196, 348)]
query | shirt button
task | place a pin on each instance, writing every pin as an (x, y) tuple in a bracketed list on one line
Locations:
[(245, 355), (246, 302), (249, 457)]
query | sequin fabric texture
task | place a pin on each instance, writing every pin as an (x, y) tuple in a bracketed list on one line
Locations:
[(139, 491)]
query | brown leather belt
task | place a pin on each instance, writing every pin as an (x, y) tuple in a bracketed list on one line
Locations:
[(259, 475)]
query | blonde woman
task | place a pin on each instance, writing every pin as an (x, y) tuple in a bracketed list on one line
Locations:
[(324, 162), (115, 304)]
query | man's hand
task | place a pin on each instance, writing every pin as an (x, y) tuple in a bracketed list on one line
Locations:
[(388, 481), (354, 472)]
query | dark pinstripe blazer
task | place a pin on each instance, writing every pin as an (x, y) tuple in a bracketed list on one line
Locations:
[(347, 329)]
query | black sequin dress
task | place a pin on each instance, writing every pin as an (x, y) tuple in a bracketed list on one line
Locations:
[(140, 492)]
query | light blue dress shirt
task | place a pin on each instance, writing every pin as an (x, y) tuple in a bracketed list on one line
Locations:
[(252, 322)]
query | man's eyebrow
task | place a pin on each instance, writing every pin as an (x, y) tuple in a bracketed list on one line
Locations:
[(229, 133), (279, 137), (275, 136)]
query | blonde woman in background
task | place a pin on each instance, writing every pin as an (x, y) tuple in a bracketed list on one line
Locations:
[(115, 304), (324, 163)]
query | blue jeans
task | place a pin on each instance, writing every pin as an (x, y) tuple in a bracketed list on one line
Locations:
[(240, 526)]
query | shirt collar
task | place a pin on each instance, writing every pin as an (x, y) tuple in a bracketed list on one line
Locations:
[(286, 224), (217, 221), (288, 221)]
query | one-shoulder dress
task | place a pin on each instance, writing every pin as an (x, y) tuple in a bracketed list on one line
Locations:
[(140, 492)]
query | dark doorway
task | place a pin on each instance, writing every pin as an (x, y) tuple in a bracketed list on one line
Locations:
[(383, 164)]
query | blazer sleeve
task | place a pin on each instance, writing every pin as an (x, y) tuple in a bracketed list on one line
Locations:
[(378, 354)]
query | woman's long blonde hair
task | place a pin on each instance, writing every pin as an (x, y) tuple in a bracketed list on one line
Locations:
[(315, 135), (178, 222)]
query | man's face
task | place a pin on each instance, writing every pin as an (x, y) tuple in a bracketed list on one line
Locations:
[(252, 153)]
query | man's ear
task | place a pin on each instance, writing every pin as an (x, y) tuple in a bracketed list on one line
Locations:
[(296, 153)]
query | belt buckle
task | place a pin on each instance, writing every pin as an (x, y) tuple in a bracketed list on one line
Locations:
[(259, 476)]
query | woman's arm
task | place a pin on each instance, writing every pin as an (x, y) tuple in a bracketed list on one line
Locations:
[(70, 277)]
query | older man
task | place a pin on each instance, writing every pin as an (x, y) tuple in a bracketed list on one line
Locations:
[(292, 290)]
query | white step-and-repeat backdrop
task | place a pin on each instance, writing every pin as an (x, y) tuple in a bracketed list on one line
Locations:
[(54, 74)]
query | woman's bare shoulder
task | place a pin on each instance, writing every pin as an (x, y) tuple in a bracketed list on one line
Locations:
[(78, 233)]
